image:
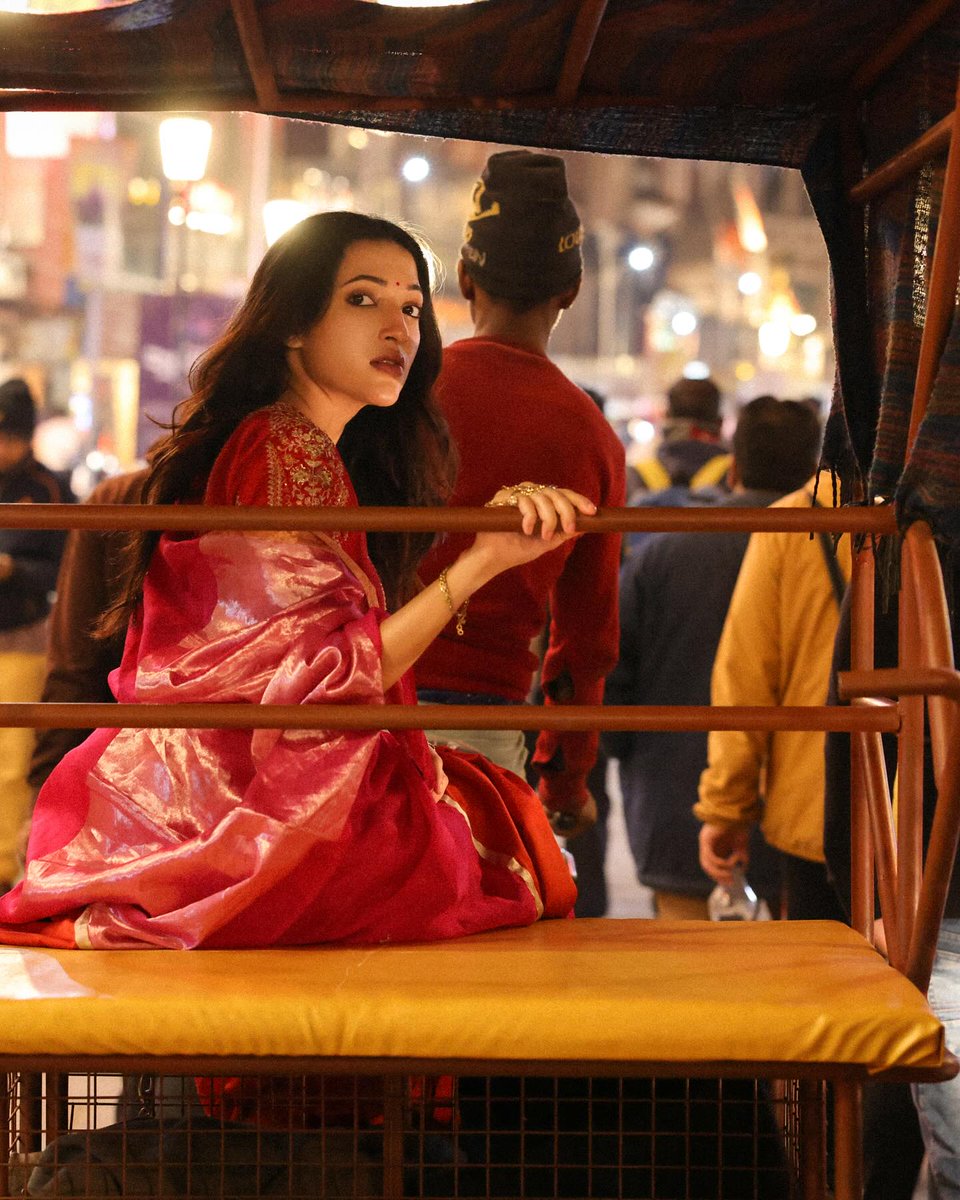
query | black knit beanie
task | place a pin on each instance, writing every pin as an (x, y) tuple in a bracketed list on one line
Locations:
[(522, 241), (18, 414)]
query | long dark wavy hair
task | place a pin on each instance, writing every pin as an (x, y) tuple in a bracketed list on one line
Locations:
[(401, 455)]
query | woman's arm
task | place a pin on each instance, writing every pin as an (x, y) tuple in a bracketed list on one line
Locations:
[(406, 633)]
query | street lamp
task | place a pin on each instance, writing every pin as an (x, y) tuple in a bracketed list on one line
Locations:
[(641, 258), (281, 215), (184, 148)]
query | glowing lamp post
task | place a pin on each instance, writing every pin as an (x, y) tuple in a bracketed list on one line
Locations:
[(184, 147)]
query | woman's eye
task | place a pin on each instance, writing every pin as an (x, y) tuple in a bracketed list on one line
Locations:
[(413, 310), (360, 299)]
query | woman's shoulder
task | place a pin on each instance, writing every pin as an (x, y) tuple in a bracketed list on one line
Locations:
[(276, 456)]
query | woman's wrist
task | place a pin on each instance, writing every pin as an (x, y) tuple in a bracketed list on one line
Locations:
[(468, 573)]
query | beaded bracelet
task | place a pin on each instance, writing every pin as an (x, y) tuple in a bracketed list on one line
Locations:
[(461, 614)]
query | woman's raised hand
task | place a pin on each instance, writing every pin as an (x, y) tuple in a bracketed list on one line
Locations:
[(554, 509), (405, 634)]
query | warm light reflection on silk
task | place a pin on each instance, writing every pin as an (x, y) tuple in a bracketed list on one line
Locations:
[(181, 838)]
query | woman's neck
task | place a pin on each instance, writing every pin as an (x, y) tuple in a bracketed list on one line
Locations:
[(317, 410)]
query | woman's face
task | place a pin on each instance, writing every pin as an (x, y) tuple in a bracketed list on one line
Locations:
[(360, 351)]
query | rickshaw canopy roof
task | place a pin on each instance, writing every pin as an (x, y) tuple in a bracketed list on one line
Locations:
[(835, 88), (727, 79)]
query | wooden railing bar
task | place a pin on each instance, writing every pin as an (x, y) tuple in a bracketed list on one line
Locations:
[(945, 833), (935, 642), (394, 1124), (928, 145), (861, 659), (909, 754), (567, 717), (847, 1140), (895, 681), (877, 519), (812, 1141), (876, 793), (937, 873)]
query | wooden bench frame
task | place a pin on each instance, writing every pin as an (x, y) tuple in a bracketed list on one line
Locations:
[(336, 993), (865, 721)]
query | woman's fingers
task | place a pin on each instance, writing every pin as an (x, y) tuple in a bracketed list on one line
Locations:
[(559, 511), (553, 508), (539, 507)]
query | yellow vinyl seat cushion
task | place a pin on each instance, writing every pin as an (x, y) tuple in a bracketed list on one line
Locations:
[(590, 991)]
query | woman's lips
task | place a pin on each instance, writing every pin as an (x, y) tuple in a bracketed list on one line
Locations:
[(392, 366)]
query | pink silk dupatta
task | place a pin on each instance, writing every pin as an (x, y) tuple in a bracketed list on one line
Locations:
[(187, 838)]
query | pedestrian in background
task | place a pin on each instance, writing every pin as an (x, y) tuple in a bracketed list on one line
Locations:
[(775, 649), (78, 662), (513, 414), (692, 453), (674, 594), (29, 560)]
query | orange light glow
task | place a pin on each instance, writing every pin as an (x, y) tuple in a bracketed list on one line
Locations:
[(750, 230)]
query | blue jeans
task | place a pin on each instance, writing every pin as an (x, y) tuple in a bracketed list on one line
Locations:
[(938, 1104)]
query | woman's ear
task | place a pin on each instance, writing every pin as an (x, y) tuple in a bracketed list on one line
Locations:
[(294, 342)]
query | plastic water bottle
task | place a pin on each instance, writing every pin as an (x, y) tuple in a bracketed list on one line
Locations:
[(734, 902), (567, 856)]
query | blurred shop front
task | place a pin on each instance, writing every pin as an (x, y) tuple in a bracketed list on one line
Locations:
[(118, 268), (104, 299)]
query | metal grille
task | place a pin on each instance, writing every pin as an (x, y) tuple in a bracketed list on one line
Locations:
[(295, 1138)]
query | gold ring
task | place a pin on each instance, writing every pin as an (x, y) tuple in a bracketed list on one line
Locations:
[(516, 490)]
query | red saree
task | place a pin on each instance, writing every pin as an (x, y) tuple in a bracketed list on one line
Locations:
[(230, 838)]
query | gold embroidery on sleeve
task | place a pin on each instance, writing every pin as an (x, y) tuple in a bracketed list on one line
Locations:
[(303, 466)]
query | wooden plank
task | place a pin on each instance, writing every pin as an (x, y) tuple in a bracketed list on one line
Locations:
[(255, 52), (912, 30), (585, 30)]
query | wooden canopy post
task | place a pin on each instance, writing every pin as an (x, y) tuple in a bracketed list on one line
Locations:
[(942, 289), (941, 294), (861, 659)]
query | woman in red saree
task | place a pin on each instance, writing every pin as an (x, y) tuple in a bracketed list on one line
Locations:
[(317, 394)]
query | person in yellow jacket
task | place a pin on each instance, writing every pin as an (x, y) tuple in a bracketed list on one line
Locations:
[(776, 648)]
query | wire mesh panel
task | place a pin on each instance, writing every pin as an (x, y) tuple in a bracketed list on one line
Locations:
[(315, 1137)]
